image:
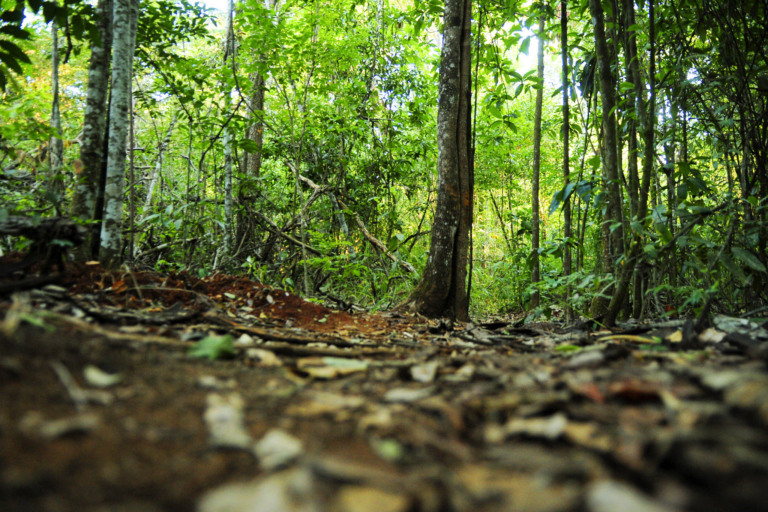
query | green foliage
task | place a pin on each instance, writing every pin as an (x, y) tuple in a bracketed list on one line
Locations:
[(76, 15), (350, 103), (213, 347)]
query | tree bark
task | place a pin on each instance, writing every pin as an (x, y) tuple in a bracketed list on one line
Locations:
[(567, 228), (88, 181), (442, 290), (229, 59), (56, 144), (613, 239), (125, 17), (646, 115), (155, 176), (535, 217)]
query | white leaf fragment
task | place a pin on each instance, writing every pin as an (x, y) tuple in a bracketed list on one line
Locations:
[(225, 421), (294, 490), (425, 372), (407, 394), (98, 378), (34, 424), (277, 449), (609, 496)]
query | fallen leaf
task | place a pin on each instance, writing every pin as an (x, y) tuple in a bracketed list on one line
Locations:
[(293, 490), (408, 394), (330, 367), (424, 372), (366, 499), (548, 428), (225, 421), (213, 347), (98, 378), (610, 496), (277, 449), (34, 424)]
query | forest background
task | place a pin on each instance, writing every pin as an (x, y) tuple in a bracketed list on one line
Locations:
[(619, 171)]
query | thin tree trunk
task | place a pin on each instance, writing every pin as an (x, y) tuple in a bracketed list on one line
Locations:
[(632, 70), (567, 228), (131, 176), (647, 116), (88, 181), (535, 219), (228, 217), (252, 160), (161, 149), (229, 59), (125, 17), (613, 241), (56, 144)]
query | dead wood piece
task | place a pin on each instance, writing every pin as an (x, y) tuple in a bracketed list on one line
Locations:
[(50, 240), (372, 239), (161, 247), (378, 244), (285, 334), (141, 339), (274, 228), (171, 315), (289, 349), (28, 283)]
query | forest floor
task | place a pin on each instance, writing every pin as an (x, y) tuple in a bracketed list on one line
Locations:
[(134, 391)]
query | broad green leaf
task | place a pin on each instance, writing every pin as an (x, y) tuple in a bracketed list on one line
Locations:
[(748, 259), (567, 347), (626, 86), (525, 45), (14, 32), (560, 197), (664, 233), (10, 62), (213, 347), (728, 262)]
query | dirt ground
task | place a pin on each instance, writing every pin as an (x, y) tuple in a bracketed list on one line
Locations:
[(133, 391)]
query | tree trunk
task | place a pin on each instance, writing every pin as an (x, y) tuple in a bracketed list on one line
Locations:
[(56, 144), (125, 17), (567, 228), (252, 161), (613, 241), (646, 115), (155, 176), (535, 218), (88, 181), (442, 290), (229, 59), (131, 175)]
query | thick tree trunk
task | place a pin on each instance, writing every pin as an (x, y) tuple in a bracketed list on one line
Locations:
[(443, 287), (88, 181), (125, 17)]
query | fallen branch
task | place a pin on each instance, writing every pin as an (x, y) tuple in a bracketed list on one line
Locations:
[(377, 243), (51, 237), (372, 239), (274, 228), (164, 246)]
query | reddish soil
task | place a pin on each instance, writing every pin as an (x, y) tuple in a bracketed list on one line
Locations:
[(393, 412)]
